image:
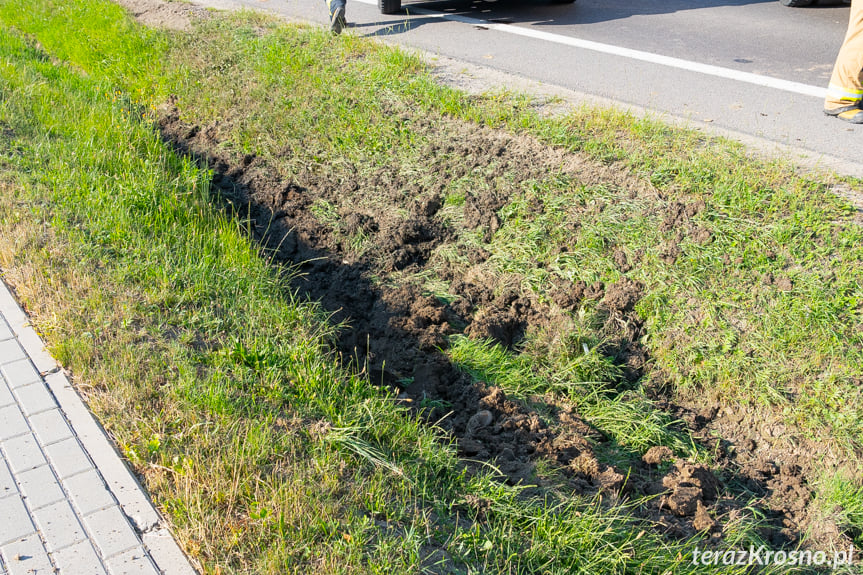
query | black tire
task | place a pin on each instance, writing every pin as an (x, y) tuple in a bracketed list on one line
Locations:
[(389, 6), (796, 3)]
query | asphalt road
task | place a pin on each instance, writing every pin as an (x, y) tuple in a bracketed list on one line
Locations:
[(751, 69)]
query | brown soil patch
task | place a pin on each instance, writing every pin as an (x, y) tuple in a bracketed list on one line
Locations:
[(170, 15), (771, 460), (395, 330)]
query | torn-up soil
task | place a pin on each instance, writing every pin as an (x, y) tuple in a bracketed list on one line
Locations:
[(395, 330), (170, 15), (772, 460)]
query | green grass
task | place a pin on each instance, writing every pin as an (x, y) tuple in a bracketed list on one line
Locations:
[(628, 419), (842, 499), (221, 386)]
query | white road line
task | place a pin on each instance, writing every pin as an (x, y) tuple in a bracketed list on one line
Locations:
[(679, 63)]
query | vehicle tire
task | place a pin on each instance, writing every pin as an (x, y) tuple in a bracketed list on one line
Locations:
[(797, 3), (389, 6)]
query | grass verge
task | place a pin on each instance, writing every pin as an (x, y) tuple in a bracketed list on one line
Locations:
[(221, 386)]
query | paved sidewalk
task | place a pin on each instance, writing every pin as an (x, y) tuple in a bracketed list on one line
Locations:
[(68, 503)]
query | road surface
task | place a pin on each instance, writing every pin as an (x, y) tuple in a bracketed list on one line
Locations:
[(751, 69)]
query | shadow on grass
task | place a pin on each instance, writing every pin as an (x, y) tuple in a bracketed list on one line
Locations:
[(394, 335)]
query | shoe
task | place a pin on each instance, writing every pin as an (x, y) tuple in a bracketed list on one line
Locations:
[(337, 20), (852, 114)]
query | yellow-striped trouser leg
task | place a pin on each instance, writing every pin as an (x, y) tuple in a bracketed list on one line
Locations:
[(846, 87)]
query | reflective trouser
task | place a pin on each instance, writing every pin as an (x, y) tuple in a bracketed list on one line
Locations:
[(334, 5), (846, 88)]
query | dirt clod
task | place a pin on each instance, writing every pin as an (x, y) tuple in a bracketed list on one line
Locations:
[(482, 418), (688, 484), (567, 294), (658, 455), (703, 521), (621, 260), (611, 480), (622, 296), (683, 500)]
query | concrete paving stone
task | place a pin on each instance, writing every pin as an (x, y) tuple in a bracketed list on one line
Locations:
[(7, 483), (16, 521), (88, 492), (34, 398), (35, 348), (6, 397), (5, 330), (133, 562), (9, 308), (117, 476), (22, 453), (50, 427), (10, 352), (67, 458), (166, 553), (79, 559), (39, 487), (50, 432), (59, 525), (19, 373), (12, 423), (111, 531), (26, 555)]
